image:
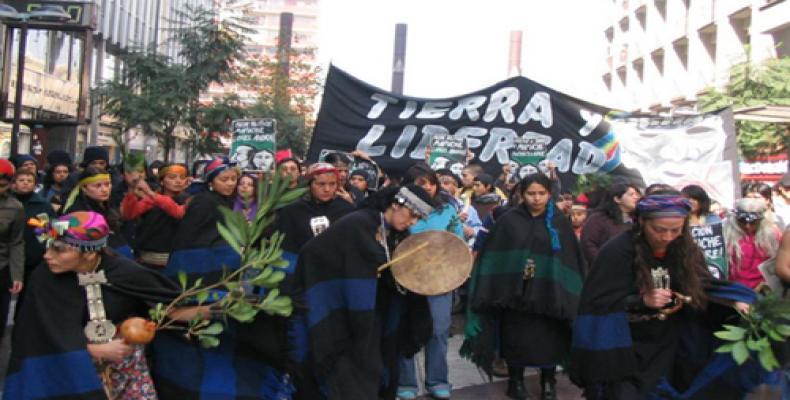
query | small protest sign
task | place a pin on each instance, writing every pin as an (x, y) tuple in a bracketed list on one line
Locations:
[(528, 155), (449, 152), (254, 144), (710, 239)]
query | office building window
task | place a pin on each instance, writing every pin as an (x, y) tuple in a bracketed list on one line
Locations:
[(707, 35), (681, 47), (639, 68), (641, 17), (658, 60)]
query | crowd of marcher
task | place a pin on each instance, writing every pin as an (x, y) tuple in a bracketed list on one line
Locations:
[(607, 286)]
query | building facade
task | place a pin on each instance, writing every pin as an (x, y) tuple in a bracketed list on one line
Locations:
[(55, 59), (664, 53), (261, 20)]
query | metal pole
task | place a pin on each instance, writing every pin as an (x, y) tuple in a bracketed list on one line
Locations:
[(399, 58), (20, 78), (514, 59), (283, 58), (8, 50)]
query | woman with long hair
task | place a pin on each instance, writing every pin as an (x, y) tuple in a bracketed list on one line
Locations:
[(157, 214), (700, 206), (246, 201), (648, 311), (525, 290), (613, 216), (92, 193), (751, 239)]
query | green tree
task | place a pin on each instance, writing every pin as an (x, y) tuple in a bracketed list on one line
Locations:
[(287, 97), (149, 94), (751, 84), (213, 121), (158, 94)]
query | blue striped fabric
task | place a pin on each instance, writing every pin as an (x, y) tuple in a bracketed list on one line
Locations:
[(125, 251), (601, 332), (202, 261), (216, 373), (292, 258), (327, 296), (55, 375), (735, 292)]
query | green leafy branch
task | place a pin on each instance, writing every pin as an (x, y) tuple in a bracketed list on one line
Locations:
[(766, 322), (259, 257)]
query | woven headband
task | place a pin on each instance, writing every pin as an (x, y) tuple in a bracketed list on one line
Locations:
[(663, 206), (413, 202)]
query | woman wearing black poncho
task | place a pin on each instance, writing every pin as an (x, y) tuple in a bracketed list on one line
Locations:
[(60, 342), (356, 325), (625, 347), (525, 290)]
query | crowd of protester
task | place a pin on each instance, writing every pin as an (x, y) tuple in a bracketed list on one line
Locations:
[(549, 267)]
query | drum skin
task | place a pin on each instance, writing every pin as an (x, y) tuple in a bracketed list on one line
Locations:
[(440, 267)]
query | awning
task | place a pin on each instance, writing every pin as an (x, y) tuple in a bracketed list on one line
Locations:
[(764, 113)]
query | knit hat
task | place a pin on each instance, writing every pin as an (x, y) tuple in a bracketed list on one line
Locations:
[(58, 157), (7, 169), (94, 153), (216, 167), (750, 209), (23, 158), (85, 230)]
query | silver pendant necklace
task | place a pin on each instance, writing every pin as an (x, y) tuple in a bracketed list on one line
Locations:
[(98, 329)]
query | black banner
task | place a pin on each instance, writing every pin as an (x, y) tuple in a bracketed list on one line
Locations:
[(581, 137), (395, 130)]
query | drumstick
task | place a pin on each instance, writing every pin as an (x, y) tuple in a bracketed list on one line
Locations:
[(401, 257)]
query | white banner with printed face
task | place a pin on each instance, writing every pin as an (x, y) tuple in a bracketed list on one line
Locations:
[(696, 150)]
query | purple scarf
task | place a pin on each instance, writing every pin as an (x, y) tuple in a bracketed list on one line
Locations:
[(238, 205)]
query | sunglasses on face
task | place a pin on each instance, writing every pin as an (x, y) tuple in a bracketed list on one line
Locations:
[(749, 222)]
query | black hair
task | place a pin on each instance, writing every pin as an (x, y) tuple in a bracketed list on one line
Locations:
[(699, 194), (337, 158), (757, 187), (682, 252), (431, 176), (49, 178), (608, 206), (656, 187), (290, 159), (415, 171), (543, 180), (448, 173)]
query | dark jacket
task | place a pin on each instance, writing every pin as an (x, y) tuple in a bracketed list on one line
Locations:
[(12, 242), (597, 230), (34, 204)]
